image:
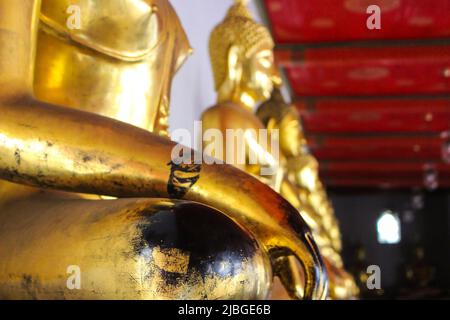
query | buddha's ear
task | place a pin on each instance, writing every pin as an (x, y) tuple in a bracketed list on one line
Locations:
[(234, 64)]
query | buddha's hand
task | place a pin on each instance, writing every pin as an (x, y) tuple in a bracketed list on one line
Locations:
[(276, 225), (301, 251)]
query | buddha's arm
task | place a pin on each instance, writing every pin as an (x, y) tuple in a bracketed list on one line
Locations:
[(240, 144), (18, 30), (55, 147)]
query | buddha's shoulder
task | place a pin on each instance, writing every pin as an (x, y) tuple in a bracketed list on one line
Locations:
[(232, 113), (226, 107)]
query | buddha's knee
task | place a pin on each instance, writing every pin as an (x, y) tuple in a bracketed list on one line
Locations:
[(127, 249), (190, 251)]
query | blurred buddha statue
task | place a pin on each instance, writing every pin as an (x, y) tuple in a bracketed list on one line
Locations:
[(300, 167), (89, 179), (241, 53), (358, 265), (242, 59), (418, 272), (275, 114), (419, 277), (303, 189)]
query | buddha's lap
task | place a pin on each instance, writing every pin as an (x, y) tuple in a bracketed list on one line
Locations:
[(127, 248)]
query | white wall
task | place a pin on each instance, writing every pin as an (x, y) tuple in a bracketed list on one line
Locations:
[(193, 87)]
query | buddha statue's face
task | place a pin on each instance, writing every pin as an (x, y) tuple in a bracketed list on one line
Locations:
[(308, 174), (258, 70), (292, 140), (241, 52)]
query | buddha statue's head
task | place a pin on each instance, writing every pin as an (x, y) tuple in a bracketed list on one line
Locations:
[(275, 113), (242, 58), (115, 58), (306, 172)]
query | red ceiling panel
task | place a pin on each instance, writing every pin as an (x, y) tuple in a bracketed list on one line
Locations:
[(375, 115), (373, 102), (295, 21), (383, 183), (369, 71), (406, 170), (376, 148)]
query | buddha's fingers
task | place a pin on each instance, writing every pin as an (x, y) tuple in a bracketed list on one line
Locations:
[(316, 280), (287, 269)]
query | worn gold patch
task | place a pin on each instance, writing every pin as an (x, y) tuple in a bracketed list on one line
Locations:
[(171, 259)]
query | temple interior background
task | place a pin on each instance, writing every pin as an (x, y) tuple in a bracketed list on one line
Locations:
[(375, 106)]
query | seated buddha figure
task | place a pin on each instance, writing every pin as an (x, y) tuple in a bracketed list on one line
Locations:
[(275, 114), (358, 268), (88, 181), (302, 184), (303, 189), (241, 53), (418, 273)]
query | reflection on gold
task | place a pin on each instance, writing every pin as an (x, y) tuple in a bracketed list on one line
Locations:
[(171, 260)]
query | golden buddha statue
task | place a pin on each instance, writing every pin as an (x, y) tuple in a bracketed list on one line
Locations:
[(419, 274), (358, 268), (275, 114), (300, 167), (303, 189), (89, 179), (242, 60)]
